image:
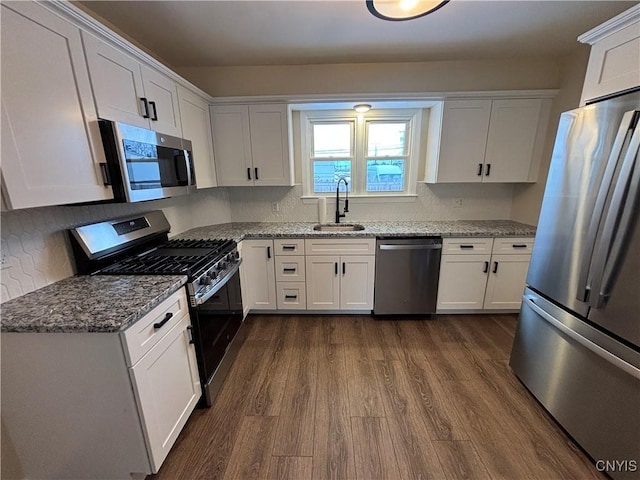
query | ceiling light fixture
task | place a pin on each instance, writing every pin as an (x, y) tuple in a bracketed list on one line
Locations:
[(398, 10), (362, 107)]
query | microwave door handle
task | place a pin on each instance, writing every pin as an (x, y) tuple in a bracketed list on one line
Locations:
[(595, 225), (619, 224), (179, 161), (191, 181)]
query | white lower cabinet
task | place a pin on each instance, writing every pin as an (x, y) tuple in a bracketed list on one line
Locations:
[(463, 280), (342, 276), (507, 276), (168, 372), (471, 279), (100, 405), (257, 273)]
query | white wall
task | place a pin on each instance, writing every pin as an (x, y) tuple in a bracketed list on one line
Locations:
[(511, 74), (36, 250), (527, 199)]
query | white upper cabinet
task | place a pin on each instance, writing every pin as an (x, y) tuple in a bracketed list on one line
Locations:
[(51, 146), (464, 138), (251, 144), (490, 141), (127, 91), (614, 62), (511, 140), (196, 127)]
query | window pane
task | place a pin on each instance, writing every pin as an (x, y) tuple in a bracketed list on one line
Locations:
[(326, 175), (386, 139), (331, 140), (385, 176)]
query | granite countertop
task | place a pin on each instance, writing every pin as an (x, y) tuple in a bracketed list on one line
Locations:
[(105, 303), (81, 304), (444, 228)]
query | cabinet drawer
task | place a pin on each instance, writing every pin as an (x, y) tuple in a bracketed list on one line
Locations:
[(140, 337), (515, 245), (340, 246), (291, 296), (466, 246), (291, 246), (290, 269)]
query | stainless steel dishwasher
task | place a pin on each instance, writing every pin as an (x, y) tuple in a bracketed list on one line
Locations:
[(407, 272)]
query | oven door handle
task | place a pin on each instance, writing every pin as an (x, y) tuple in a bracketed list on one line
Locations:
[(199, 300)]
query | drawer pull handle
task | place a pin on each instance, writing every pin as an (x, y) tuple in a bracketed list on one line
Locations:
[(344, 268), (479, 169), (495, 267), (519, 245), (335, 265), (488, 170), (486, 267), (289, 270), (288, 247), (166, 318), (290, 297), (466, 247), (268, 252)]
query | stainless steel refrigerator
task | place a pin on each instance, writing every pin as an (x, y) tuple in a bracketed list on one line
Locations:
[(577, 344)]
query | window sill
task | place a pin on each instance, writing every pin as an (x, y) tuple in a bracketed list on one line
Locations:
[(406, 198)]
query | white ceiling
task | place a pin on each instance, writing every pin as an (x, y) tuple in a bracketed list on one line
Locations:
[(281, 32)]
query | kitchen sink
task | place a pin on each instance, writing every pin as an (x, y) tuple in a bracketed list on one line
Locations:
[(339, 227)]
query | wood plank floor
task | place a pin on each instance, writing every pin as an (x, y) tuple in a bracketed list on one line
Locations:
[(330, 397)]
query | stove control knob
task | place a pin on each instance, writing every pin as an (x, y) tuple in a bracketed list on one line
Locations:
[(214, 273), (205, 280), (222, 265)]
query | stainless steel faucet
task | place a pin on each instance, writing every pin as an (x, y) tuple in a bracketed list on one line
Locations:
[(346, 200)]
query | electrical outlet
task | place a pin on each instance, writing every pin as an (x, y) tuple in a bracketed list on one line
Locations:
[(458, 202), (275, 207)]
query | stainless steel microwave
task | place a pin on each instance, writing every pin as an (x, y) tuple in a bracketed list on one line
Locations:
[(145, 165)]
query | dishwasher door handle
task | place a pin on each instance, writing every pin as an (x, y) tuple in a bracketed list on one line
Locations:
[(410, 247)]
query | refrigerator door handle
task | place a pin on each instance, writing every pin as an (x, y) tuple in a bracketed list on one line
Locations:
[(618, 224), (588, 344), (584, 289)]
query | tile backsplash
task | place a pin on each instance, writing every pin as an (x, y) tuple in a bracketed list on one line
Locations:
[(36, 251), (34, 245), (433, 202)]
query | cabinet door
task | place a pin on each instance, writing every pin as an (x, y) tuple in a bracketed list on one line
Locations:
[(196, 127), (270, 144), (614, 63), (323, 282), (511, 140), (232, 145), (506, 281), (162, 93), (167, 387), (463, 279), (465, 124), (356, 282), (117, 82), (51, 143), (259, 271)]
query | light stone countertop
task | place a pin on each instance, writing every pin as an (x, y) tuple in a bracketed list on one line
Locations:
[(86, 303), (444, 228)]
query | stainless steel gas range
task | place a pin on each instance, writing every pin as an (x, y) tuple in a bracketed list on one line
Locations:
[(139, 245)]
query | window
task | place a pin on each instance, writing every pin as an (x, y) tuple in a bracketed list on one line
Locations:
[(374, 153)]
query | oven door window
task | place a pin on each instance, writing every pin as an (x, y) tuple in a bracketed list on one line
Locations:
[(152, 166)]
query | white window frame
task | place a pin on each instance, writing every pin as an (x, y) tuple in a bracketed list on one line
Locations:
[(412, 116)]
